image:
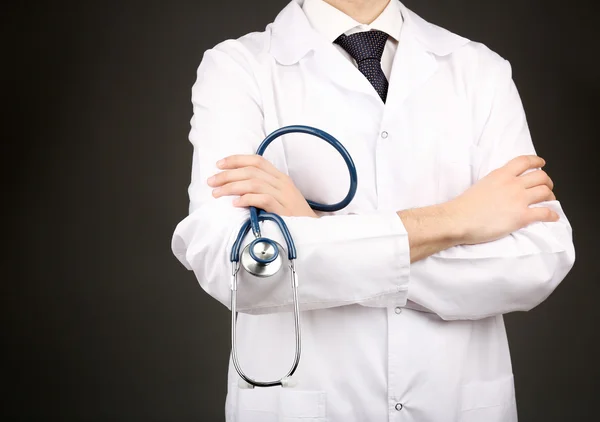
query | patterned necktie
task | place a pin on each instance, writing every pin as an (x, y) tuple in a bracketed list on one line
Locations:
[(367, 48)]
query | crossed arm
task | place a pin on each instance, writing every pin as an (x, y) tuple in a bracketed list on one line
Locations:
[(501, 246)]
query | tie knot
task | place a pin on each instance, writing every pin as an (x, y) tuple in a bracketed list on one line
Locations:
[(364, 45)]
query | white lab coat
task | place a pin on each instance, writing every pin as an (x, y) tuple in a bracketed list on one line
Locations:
[(383, 340)]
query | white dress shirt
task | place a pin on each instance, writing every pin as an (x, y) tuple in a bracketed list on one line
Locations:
[(331, 23), (452, 115)]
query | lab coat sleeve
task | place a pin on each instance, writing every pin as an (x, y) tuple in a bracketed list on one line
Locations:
[(341, 259), (514, 273)]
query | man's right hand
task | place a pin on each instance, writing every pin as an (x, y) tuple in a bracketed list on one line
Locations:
[(498, 204)]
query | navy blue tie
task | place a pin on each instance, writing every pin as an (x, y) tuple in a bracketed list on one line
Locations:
[(367, 48)]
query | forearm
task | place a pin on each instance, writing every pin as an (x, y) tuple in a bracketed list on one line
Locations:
[(341, 259), (514, 273), (430, 230), (470, 281)]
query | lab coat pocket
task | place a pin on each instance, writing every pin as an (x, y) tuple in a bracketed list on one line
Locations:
[(456, 167), (281, 405), (256, 405), (302, 406), (489, 401)]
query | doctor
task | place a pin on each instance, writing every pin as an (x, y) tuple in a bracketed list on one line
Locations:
[(454, 223)]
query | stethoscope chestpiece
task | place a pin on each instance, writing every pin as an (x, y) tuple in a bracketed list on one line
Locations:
[(262, 257)]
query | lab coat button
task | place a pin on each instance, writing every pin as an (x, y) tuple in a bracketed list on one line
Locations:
[(398, 310), (384, 134), (399, 406)]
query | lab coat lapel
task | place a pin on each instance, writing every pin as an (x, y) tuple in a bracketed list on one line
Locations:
[(415, 61), (341, 72), (293, 38), (412, 66)]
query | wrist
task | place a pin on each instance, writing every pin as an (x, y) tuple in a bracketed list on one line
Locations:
[(431, 229), (440, 223), (456, 224)]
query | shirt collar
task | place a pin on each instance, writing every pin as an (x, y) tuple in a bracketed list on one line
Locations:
[(331, 22), (293, 35)]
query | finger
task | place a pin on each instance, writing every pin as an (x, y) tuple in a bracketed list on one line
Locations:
[(536, 178), (539, 193), (522, 163), (246, 186), (544, 214), (258, 161), (262, 201), (244, 173)]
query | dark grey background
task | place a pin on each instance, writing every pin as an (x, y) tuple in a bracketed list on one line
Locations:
[(100, 320)]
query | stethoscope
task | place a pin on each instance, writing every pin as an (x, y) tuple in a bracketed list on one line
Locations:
[(262, 257)]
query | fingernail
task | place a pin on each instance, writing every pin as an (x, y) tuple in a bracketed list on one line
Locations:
[(220, 163), (236, 201), (216, 191), (211, 180)]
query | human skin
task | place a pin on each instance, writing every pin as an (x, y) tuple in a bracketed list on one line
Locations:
[(492, 208)]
